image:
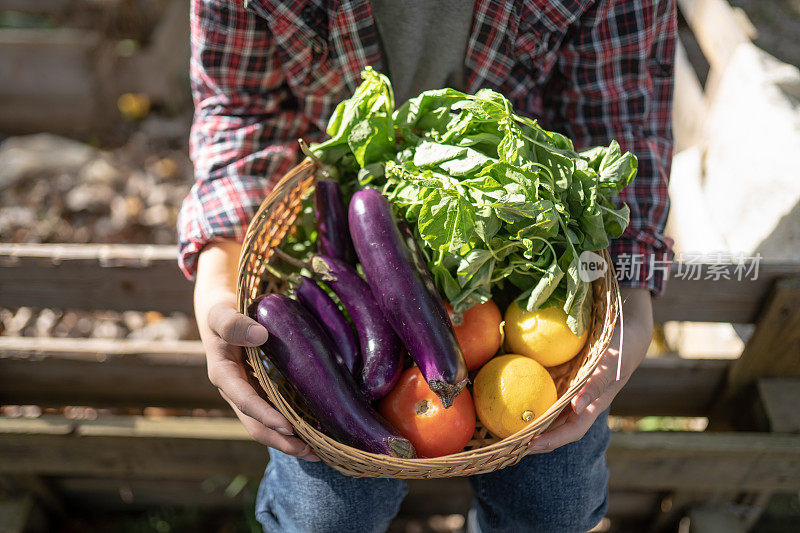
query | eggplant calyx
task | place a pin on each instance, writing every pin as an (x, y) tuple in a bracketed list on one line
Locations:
[(445, 391), (402, 448), (322, 269)]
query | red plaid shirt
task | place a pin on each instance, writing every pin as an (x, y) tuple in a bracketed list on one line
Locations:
[(267, 72)]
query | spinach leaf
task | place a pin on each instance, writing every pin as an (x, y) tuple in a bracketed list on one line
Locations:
[(495, 200)]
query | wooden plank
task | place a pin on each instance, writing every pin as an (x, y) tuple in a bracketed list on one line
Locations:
[(696, 296), (717, 28), (201, 448), (105, 373), (780, 398), (704, 461), (671, 386), (46, 425), (151, 352), (774, 348), (129, 447), (425, 498), (129, 373), (90, 276), (128, 494), (27, 99), (146, 277), (140, 427)]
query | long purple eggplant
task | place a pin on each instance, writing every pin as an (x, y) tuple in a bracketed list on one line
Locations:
[(418, 260), (299, 348), (333, 236), (381, 349), (332, 321), (417, 314)]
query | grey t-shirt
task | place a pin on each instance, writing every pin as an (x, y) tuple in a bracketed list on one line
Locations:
[(423, 43)]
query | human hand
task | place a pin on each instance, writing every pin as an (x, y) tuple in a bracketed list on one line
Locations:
[(595, 397), (224, 331)]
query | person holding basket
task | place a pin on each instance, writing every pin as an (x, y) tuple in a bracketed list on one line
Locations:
[(267, 72)]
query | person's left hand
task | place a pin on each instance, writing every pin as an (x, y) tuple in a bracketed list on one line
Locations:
[(595, 397)]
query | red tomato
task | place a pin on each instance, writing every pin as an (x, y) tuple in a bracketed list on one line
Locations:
[(478, 332), (419, 416)]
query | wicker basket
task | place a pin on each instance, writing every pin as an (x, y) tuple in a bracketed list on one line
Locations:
[(269, 226)]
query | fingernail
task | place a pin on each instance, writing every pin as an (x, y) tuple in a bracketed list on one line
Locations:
[(308, 455), (538, 447), (284, 431), (256, 335)]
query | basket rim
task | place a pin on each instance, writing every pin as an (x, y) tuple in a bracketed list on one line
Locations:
[(505, 446)]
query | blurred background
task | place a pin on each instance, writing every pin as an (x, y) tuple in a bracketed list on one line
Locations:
[(107, 421), (94, 111)]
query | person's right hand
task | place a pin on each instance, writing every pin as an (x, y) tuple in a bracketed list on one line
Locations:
[(224, 331)]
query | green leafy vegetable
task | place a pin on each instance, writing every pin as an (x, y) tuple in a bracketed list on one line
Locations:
[(493, 198)]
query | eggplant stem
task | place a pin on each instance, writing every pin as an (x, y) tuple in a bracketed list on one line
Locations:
[(276, 272), (283, 256)]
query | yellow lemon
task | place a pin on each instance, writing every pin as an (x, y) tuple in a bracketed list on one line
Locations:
[(542, 335), (510, 392)]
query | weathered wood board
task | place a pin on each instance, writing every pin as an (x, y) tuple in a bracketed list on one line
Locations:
[(187, 448), (145, 277), (131, 373)]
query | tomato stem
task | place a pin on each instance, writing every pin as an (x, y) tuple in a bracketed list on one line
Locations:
[(422, 407)]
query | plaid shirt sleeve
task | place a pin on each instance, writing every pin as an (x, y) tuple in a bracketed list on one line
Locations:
[(613, 80), (245, 128)]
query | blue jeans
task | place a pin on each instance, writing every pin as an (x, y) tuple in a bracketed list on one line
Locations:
[(561, 491)]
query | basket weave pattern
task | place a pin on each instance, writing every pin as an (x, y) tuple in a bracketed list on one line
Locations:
[(484, 453)]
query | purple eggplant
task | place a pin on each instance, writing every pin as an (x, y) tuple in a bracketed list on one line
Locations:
[(333, 237), (299, 348), (381, 349), (418, 260), (416, 313), (332, 321)]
